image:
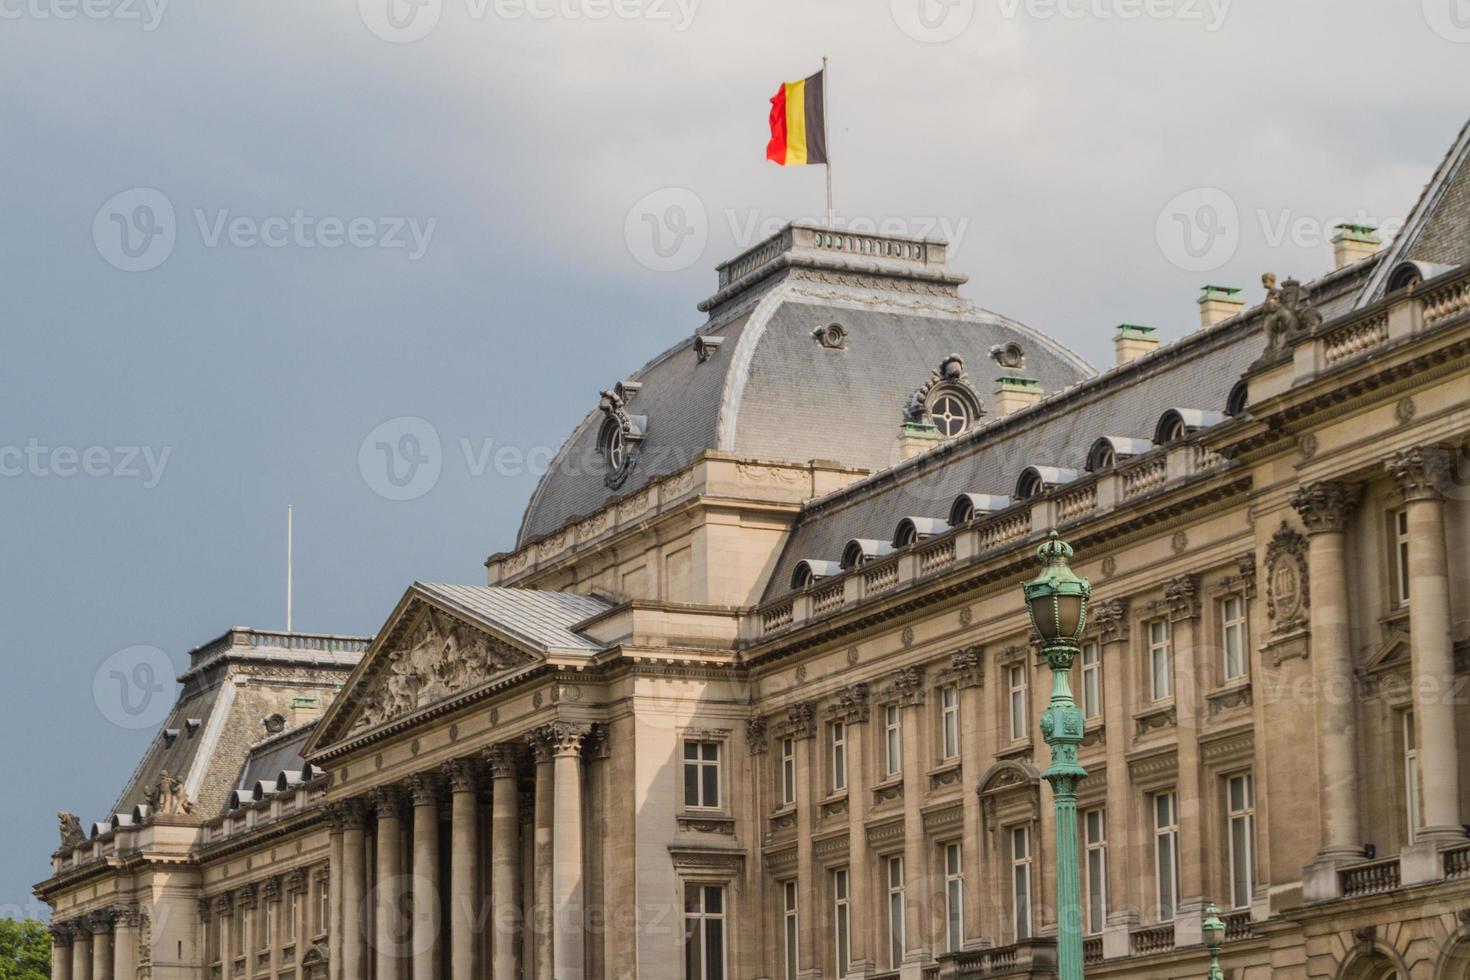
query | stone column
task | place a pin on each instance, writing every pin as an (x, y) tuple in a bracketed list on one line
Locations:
[(390, 886), (1325, 508), (425, 877), (505, 861), (224, 916), (81, 951), (967, 672), (354, 891), (541, 916), (334, 904), (125, 920), (245, 901), (464, 868), (852, 710), (1112, 621), (1422, 475), (907, 690), (301, 900), (61, 939), (271, 896), (800, 726), (100, 922), (567, 884), (1181, 593)]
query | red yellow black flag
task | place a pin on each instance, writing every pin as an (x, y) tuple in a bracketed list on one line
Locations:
[(798, 122)]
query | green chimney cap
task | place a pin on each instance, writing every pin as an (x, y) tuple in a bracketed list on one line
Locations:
[(1226, 293), (1135, 330), (1366, 233), (1017, 381)]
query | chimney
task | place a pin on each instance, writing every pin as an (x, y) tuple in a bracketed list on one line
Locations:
[(1218, 303), (1133, 341), (1013, 391), (916, 438), (1353, 243)]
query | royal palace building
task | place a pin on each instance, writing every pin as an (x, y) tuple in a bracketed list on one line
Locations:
[(755, 694)]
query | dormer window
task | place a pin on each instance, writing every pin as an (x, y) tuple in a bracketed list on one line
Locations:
[(1109, 451), (946, 401), (1037, 480), (1030, 485), (912, 530), (1180, 423), (951, 415), (859, 551), (1236, 402), (968, 506)]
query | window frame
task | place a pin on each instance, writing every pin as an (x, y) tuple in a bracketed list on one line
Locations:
[(1166, 841), (1018, 700), (788, 772), (702, 919), (1413, 814), (897, 910), (842, 920), (949, 722), (701, 764), (892, 741), (954, 895), (1398, 536), (1240, 625), (1160, 654), (837, 740), (790, 930), (1095, 867), (1092, 680), (1022, 882), (1244, 818)]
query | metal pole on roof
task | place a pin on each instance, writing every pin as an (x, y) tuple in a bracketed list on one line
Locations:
[(289, 563)]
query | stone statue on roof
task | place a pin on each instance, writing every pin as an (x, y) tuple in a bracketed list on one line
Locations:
[(168, 797), (71, 830)]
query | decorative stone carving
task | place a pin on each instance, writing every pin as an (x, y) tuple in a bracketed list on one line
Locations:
[(755, 735), (271, 890), (1156, 720), (563, 738), (1325, 506), (949, 377), (1289, 313), (1245, 567), (800, 722), (462, 775), (628, 430), (439, 658), (246, 896), (705, 347), (224, 904), (851, 706), (99, 921), (204, 905), (347, 815), (1009, 356), (1182, 595), (831, 337), (388, 802), (62, 933), (1239, 697), (72, 835), (966, 667), (907, 687), (296, 882), (1110, 617), (167, 796), (1288, 586), (1422, 473), (424, 788), (503, 760)]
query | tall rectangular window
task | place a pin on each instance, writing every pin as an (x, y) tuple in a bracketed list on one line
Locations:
[(1016, 680), (289, 911), (1166, 853), (892, 741), (1092, 680), (1095, 843), (954, 898), (1160, 660), (1021, 881), (1232, 639), (839, 756), (1399, 522), (894, 872), (788, 771), (1411, 776), (702, 774), (789, 928), (949, 721), (1241, 791), (268, 912), (841, 922), (323, 909), (704, 932)]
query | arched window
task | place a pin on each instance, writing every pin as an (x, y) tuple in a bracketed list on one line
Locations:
[(1030, 485), (951, 414), (1236, 402)]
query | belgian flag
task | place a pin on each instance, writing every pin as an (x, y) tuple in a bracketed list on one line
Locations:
[(798, 122)]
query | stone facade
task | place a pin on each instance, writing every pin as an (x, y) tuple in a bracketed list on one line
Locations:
[(678, 737)]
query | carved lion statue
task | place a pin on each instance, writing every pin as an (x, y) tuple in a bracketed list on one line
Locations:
[(71, 829)]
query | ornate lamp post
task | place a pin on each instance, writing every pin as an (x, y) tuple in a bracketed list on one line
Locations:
[(1214, 931), (1057, 601)]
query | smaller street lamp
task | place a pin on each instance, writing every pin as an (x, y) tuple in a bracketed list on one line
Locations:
[(1214, 930)]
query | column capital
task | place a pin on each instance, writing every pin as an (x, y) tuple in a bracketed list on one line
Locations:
[(966, 667), (755, 735), (348, 814), (561, 738), (62, 933), (224, 904), (800, 721), (99, 921), (907, 687), (463, 775), (387, 802), (851, 707), (1110, 617), (1325, 506), (504, 760), (271, 890), (1422, 473), (296, 882), (204, 906), (245, 897), (1182, 595), (424, 787)]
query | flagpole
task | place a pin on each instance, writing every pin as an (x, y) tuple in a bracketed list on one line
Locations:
[(827, 136)]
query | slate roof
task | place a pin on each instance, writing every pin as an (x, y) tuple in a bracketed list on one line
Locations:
[(541, 619), (770, 391), (281, 753)]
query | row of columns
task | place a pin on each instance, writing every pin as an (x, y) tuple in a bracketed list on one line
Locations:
[(1422, 476), (246, 902), (101, 945), (556, 944)]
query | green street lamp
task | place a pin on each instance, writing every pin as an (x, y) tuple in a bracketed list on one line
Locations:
[(1057, 601), (1214, 930)]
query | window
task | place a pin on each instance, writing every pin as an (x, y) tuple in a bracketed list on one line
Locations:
[(841, 922), (1232, 627), (1160, 660), (267, 935), (704, 932), (1016, 676), (1092, 695), (789, 928), (1095, 842), (788, 771), (614, 447), (1242, 799), (1021, 881), (839, 756), (949, 716), (1166, 853), (892, 741), (1399, 523), (954, 898), (702, 774), (950, 415), (896, 943), (323, 905), (1411, 776)]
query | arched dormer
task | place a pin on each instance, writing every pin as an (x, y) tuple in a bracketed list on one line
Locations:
[(1236, 401), (1411, 273), (859, 551), (968, 506), (1037, 480), (1180, 423), (912, 530), (286, 779), (809, 570), (1109, 451)]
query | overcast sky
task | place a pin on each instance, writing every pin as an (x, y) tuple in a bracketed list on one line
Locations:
[(238, 238)]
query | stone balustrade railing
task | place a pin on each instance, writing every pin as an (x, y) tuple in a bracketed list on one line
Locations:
[(1152, 939), (1374, 878)]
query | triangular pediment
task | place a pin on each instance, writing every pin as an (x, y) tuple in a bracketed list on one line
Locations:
[(1391, 653)]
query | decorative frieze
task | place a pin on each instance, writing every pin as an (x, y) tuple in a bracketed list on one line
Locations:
[(245, 897), (1155, 720), (1235, 697), (1422, 473), (296, 881), (271, 889)]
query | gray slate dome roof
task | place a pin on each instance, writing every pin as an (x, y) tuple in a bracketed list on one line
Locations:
[(770, 377)]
